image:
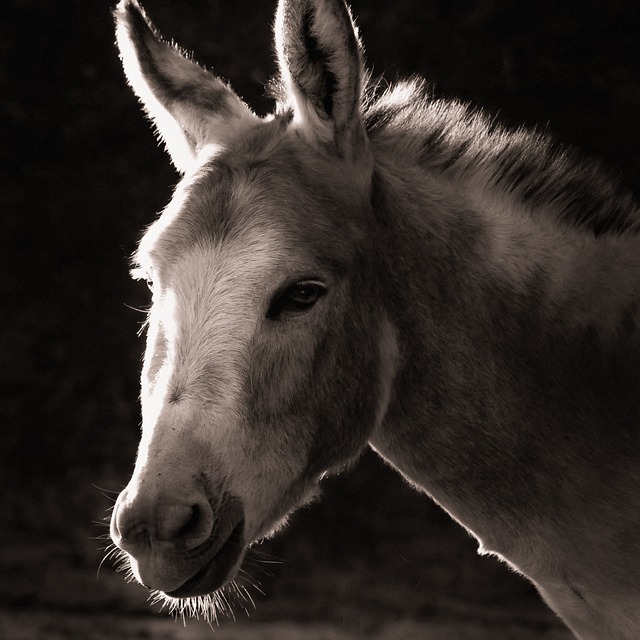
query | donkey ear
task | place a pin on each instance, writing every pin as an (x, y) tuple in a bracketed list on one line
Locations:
[(189, 106), (322, 68)]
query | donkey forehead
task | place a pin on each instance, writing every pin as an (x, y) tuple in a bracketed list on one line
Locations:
[(252, 202)]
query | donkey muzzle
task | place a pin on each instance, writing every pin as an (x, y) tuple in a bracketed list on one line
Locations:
[(184, 546)]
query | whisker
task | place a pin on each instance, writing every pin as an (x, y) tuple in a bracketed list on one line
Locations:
[(105, 491), (145, 311)]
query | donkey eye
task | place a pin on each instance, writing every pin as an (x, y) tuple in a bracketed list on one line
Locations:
[(297, 298)]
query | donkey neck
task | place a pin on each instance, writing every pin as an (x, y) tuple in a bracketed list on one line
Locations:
[(518, 339)]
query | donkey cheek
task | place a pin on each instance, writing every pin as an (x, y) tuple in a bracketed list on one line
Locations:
[(275, 386), (345, 418)]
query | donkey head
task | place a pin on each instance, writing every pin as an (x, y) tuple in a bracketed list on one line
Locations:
[(268, 361)]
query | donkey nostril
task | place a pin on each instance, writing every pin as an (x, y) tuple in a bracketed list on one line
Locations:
[(173, 521), (128, 530), (189, 525)]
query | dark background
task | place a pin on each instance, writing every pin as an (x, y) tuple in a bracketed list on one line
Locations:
[(82, 175)]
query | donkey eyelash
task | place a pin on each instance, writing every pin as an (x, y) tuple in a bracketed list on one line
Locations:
[(138, 273)]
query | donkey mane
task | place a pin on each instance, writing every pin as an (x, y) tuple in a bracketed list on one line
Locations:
[(521, 166)]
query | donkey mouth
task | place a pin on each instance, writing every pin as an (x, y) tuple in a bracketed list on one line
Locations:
[(217, 570)]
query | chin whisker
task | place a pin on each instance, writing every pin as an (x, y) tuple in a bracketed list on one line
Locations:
[(214, 606)]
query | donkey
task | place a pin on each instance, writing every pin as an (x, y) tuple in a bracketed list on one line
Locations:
[(377, 266)]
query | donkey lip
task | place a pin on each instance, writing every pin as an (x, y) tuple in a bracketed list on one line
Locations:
[(216, 571)]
